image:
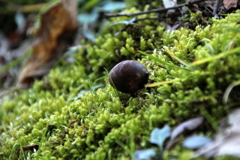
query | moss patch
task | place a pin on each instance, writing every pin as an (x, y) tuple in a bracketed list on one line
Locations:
[(106, 124)]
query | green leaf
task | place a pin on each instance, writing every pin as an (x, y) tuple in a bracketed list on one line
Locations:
[(144, 154), (195, 142), (158, 136)]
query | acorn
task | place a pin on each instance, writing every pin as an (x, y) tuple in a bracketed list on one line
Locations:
[(128, 76)]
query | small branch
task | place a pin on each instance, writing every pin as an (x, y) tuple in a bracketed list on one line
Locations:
[(153, 11), (153, 18), (216, 8)]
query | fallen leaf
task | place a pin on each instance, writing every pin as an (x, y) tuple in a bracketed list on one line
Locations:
[(169, 3), (227, 142), (187, 125), (57, 29), (228, 4), (212, 8), (231, 143), (176, 26), (234, 118), (13, 49)]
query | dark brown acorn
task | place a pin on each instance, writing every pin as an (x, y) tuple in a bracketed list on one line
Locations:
[(128, 76)]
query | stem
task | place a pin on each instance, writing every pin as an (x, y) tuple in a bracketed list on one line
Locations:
[(161, 83), (201, 61), (228, 90)]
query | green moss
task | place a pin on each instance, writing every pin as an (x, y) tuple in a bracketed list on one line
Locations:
[(106, 124)]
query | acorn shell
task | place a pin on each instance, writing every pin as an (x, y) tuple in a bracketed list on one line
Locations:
[(128, 76)]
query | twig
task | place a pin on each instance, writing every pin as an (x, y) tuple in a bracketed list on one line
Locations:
[(208, 10), (216, 8), (153, 11), (149, 18)]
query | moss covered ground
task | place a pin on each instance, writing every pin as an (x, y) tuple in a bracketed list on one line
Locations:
[(196, 67)]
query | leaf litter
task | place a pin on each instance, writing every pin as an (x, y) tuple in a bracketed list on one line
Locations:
[(57, 29), (226, 142)]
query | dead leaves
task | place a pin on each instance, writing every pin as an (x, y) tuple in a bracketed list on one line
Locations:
[(227, 142), (188, 125), (229, 4), (57, 29), (176, 15)]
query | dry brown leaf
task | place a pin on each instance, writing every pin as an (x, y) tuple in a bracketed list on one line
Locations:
[(228, 4), (212, 7), (57, 29)]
